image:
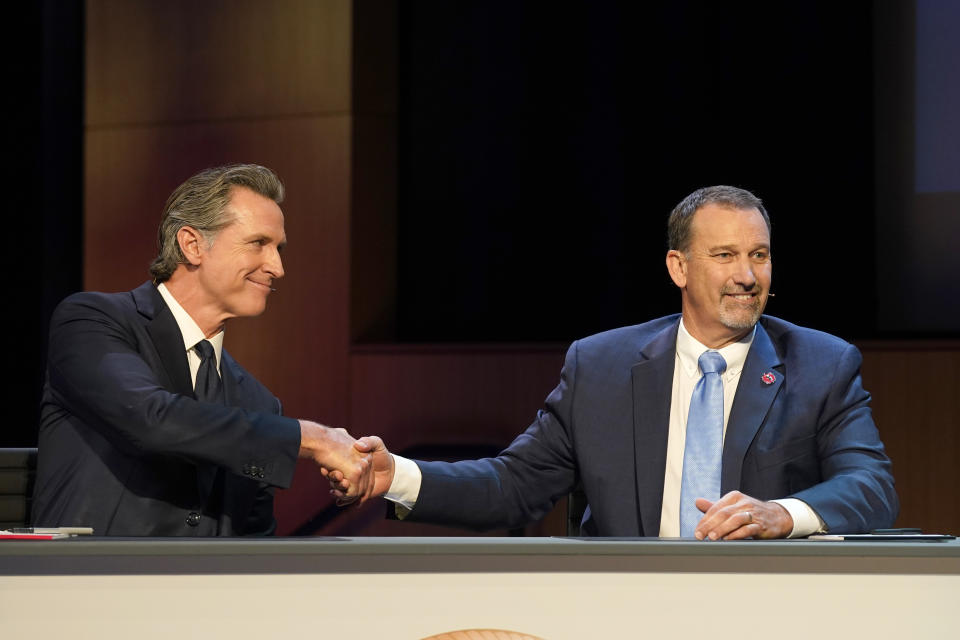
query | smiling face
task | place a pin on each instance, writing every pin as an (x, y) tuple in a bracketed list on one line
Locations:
[(234, 272), (724, 276)]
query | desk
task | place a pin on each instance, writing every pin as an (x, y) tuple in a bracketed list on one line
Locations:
[(556, 588)]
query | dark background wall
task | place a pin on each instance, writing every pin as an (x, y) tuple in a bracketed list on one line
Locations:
[(42, 57), (473, 185), (541, 151)]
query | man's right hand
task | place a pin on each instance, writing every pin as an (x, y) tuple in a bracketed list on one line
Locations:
[(334, 450), (380, 472)]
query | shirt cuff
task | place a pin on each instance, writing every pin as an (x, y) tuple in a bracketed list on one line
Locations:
[(805, 519), (405, 488)]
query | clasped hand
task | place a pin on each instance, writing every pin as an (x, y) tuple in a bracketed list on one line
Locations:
[(379, 473), (333, 450), (356, 469), (736, 516)]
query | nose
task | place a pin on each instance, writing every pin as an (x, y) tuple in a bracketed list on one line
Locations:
[(274, 265), (744, 274)]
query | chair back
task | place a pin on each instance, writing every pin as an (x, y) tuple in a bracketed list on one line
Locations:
[(18, 469)]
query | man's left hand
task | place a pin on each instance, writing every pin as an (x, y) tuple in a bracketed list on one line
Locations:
[(736, 516)]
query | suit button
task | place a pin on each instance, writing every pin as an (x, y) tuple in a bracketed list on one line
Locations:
[(193, 518)]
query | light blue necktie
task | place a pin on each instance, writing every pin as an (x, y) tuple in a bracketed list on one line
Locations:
[(704, 444)]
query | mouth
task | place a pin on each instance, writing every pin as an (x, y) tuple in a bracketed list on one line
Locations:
[(265, 287), (744, 298)]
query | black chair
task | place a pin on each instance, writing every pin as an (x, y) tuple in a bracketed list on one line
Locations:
[(18, 469)]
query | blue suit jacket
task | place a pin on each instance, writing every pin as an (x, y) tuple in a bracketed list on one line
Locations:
[(808, 435), (125, 447)]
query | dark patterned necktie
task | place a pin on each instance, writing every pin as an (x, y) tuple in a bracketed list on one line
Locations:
[(209, 387)]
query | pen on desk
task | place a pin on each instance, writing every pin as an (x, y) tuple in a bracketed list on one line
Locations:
[(74, 531), (903, 531)]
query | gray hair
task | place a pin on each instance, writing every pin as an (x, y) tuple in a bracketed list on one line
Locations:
[(201, 203), (681, 218)]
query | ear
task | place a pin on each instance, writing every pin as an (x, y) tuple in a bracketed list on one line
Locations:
[(677, 267), (192, 244)]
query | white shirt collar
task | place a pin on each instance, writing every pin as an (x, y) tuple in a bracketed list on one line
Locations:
[(689, 350), (189, 329)]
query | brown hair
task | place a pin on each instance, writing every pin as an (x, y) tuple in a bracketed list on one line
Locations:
[(678, 225)]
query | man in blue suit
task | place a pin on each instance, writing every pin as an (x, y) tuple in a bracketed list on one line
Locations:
[(148, 426), (778, 441)]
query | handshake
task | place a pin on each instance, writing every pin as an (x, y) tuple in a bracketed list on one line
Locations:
[(357, 469)]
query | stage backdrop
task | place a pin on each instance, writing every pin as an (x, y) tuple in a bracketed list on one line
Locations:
[(459, 175)]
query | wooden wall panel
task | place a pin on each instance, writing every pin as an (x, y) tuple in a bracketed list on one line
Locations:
[(181, 60), (421, 395), (446, 395), (916, 404), (174, 87)]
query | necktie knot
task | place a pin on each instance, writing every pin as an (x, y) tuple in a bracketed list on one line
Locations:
[(204, 349), (712, 362)]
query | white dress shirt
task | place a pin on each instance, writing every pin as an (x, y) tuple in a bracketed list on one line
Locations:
[(192, 334), (686, 374), (407, 477)]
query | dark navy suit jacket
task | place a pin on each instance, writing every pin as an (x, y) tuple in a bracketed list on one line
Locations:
[(125, 447), (808, 435)]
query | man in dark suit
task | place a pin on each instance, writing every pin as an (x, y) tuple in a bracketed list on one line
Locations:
[(148, 427), (773, 439)]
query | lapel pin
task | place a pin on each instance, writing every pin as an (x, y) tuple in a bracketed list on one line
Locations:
[(768, 377)]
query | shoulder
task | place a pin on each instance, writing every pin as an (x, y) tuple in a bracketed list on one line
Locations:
[(629, 341), (126, 310), (793, 340), (94, 303), (638, 333)]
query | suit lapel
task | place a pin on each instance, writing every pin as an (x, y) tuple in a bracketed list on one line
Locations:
[(755, 395), (652, 391), (168, 341), (166, 337), (233, 379)]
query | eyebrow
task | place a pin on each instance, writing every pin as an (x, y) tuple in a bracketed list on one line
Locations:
[(263, 236), (733, 248)]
